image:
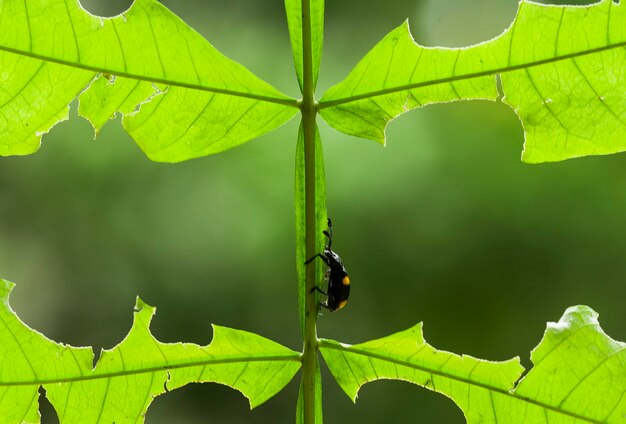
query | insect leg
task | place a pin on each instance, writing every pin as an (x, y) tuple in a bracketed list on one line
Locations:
[(321, 256), (329, 234), (315, 256), (317, 289)]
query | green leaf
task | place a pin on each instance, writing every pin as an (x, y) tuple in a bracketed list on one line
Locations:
[(381, 86), (28, 360), (578, 374), (294, 21), (561, 68), (108, 95), (201, 102), (127, 378), (577, 369), (300, 214)]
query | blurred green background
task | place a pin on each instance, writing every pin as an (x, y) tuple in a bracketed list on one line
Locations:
[(445, 225)]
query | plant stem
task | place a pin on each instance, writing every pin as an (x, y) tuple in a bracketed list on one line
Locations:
[(309, 362)]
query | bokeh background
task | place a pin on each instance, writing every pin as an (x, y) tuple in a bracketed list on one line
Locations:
[(445, 225)]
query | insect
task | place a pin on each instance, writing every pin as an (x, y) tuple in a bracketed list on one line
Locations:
[(337, 275)]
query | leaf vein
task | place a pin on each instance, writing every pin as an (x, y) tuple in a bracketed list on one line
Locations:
[(558, 33), (111, 374), (606, 106), (562, 340), (245, 367), (593, 370), (355, 351), (272, 377), (69, 17), (158, 100), (619, 401), (21, 348), (24, 86), (120, 44), (286, 101), (104, 398), (28, 407), (471, 75), (156, 45), (393, 53), (188, 127), (30, 33)]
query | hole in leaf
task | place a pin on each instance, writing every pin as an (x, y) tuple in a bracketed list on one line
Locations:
[(108, 8), (96, 356), (568, 2), (194, 402), (442, 23), (48, 413), (499, 87)]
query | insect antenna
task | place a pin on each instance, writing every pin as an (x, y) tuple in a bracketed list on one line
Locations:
[(329, 234)]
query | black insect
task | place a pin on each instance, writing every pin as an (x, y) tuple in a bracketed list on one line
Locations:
[(337, 276)]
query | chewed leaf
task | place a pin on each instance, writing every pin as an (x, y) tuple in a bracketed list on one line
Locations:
[(108, 95), (577, 368), (407, 356), (396, 76), (50, 52), (561, 69), (34, 97), (127, 378), (579, 374), (28, 360)]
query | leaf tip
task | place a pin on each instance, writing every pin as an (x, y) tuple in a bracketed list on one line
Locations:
[(577, 316), (407, 27), (143, 309), (573, 319), (219, 332), (5, 290)]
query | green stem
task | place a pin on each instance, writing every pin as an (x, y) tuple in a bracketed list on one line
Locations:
[(309, 360)]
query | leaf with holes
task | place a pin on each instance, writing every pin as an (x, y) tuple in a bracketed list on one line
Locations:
[(127, 378), (180, 97), (579, 374), (561, 68)]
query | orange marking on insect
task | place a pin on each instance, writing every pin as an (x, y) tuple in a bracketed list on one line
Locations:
[(345, 281), (342, 304)]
